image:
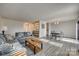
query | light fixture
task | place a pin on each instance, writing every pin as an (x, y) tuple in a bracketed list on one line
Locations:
[(57, 22), (3, 29)]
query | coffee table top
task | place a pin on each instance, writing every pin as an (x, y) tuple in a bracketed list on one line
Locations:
[(34, 41)]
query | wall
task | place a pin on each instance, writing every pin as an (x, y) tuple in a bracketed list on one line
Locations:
[(42, 32), (68, 28), (28, 27), (12, 25)]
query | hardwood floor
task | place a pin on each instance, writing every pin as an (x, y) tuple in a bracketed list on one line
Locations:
[(57, 48)]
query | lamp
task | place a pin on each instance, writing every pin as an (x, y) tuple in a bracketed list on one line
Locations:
[(3, 29)]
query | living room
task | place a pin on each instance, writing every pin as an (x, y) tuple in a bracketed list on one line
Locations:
[(39, 29)]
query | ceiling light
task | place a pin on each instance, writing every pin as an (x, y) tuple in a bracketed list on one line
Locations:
[(56, 22)]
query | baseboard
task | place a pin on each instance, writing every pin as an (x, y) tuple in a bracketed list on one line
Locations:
[(70, 40), (69, 37)]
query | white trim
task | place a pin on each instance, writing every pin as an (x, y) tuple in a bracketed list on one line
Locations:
[(76, 31), (70, 40)]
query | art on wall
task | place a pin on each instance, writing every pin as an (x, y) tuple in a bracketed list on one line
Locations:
[(43, 26)]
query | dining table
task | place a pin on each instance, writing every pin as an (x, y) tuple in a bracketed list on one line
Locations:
[(55, 35)]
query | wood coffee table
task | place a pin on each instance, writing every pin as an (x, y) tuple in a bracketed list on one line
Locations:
[(34, 44)]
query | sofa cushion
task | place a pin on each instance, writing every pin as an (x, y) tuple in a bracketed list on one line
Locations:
[(2, 37), (9, 38), (1, 41), (5, 48)]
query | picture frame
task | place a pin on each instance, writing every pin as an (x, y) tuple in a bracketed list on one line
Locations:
[(43, 26)]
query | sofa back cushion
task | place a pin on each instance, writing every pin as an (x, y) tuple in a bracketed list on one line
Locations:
[(2, 37)]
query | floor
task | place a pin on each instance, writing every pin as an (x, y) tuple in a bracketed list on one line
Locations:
[(18, 46), (52, 47)]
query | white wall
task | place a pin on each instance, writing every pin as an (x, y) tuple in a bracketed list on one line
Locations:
[(68, 28), (42, 32), (12, 25)]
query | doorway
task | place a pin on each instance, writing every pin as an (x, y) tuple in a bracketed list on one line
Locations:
[(78, 30), (47, 29)]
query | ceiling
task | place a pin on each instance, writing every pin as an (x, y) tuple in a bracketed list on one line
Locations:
[(42, 11)]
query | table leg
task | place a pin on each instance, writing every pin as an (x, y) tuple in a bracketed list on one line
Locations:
[(41, 46), (34, 50), (25, 43)]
